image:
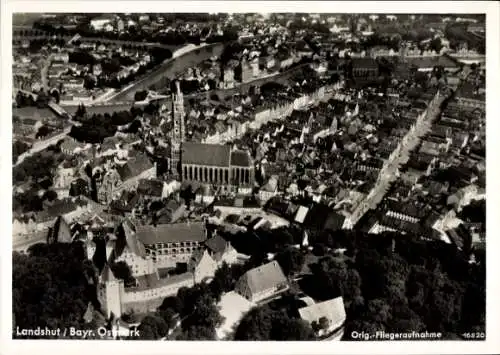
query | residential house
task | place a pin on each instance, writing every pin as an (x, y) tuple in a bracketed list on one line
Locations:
[(461, 237), (63, 180), (61, 57), (221, 250), (60, 232), (262, 283), (202, 265), (152, 189), (205, 194), (73, 84), (171, 213), (134, 170), (269, 190), (327, 318)]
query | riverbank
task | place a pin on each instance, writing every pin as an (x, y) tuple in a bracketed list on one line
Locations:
[(182, 59)]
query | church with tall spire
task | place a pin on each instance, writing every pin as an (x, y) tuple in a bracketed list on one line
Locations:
[(211, 164), (178, 132)]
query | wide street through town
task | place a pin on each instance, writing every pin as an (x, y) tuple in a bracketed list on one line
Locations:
[(390, 173)]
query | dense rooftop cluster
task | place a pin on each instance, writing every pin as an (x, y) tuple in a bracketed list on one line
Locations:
[(358, 154)]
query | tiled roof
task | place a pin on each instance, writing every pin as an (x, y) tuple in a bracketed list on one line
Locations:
[(206, 154), (322, 217), (128, 240), (364, 63), (264, 277), (147, 282), (59, 208), (59, 232), (333, 310), (150, 187), (240, 158), (107, 274), (168, 233), (216, 244), (134, 167)]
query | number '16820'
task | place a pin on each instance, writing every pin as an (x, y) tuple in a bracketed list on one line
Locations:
[(474, 335)]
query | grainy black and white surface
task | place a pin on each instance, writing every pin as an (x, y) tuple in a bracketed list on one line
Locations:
[(246, 176)]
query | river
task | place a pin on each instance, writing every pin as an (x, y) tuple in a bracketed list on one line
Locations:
[(170, 68)]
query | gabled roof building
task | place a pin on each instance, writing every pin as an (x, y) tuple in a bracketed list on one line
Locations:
[(262, 283)]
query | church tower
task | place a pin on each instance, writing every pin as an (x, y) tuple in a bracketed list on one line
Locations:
[(178, 131)]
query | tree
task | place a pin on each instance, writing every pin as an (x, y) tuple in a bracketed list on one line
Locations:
[(140, 95), (89, 83), (169, 316), (204, 319), (188, 195), (378, 310), (18, 148), (474, 212), (223, 280), (322, 324), (255, 325), (285, 328), (122, 271), (51, 286), (153, 327), (436, 44), (80, 111), (50, 195), (43, 131), (173, 303), (291, 260)]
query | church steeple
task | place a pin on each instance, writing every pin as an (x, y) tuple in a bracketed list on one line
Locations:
[(178, 133)]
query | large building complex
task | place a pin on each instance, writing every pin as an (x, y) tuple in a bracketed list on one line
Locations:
[(214, 164)]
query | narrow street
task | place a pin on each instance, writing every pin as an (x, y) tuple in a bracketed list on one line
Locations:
[(390, 173), (39, 146)]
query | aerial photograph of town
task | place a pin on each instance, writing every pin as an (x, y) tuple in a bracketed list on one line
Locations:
[(249, 176)]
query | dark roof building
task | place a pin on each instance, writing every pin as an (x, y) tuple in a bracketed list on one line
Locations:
[(206, 154), (172, 233), (240, 158), (322, 217), (134, 167), (59, 232), (150, 188)]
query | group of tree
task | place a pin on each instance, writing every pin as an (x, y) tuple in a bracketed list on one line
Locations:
[(458, 35), (264, 323), (18, 148), (474, 212), (92, 132), (81, 57), (37, 44), (27, 100), (377, 39), (388, 282), (51, 287), (122, 271), (37, 167), (192, 314), (44, 131), (24, 100), (195, 308), (95, 128), (141, 95), (420, 286)]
